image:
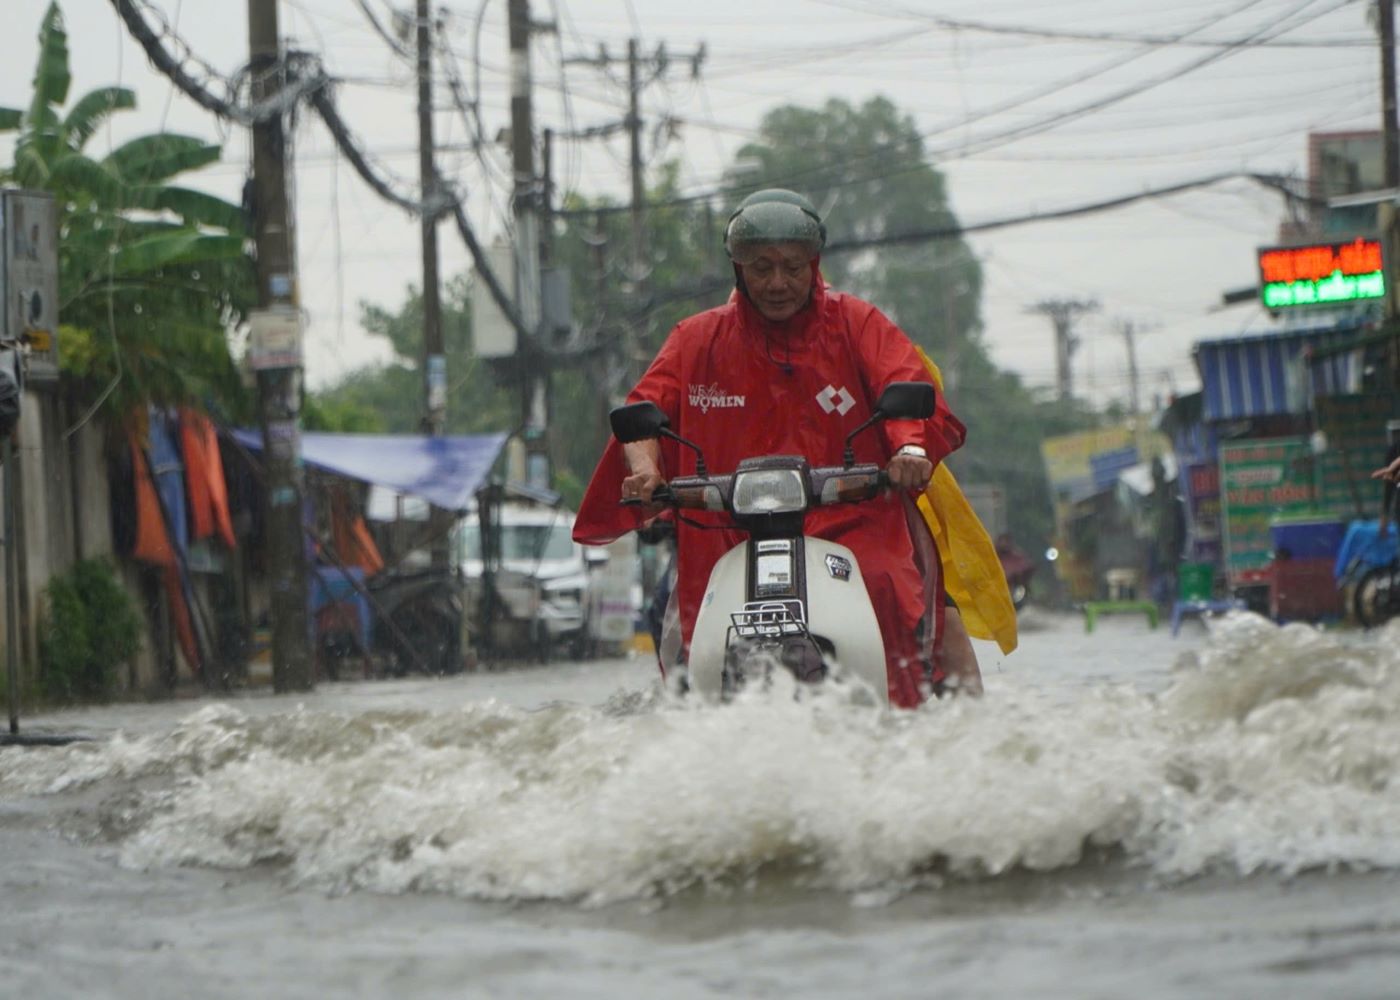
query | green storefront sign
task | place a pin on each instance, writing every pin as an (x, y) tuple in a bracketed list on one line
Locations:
[(1260, 480)]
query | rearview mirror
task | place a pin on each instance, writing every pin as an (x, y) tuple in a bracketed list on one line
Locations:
[(906, 401), (638, 421)]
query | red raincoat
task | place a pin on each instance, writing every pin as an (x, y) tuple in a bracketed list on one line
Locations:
[(739, 385)]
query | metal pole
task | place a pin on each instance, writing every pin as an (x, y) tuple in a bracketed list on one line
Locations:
[(1129, 338), (11, 589), (279, 388), (533, 363), (434, 356), (634, 135), (1389, 128), (547, 201), (638, 269), (1387, 216)]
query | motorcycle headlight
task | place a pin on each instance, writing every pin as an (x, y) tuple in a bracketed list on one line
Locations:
[(769, 491)]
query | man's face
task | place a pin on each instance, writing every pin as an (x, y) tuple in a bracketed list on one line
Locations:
[(779, 279)]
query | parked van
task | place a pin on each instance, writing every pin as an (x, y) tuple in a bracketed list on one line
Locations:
[(550, 593), (541, 582)]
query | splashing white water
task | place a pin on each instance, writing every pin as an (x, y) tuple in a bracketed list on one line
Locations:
[(1272, 749)]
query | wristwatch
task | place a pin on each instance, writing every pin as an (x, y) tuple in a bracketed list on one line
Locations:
[(912, 449)]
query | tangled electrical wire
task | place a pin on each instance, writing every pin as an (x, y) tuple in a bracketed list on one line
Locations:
[(303, 79)]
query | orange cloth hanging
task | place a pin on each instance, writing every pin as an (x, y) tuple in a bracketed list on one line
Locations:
[(153, 546), (353, 542), (180, 617), (204, 478), (152, 538)]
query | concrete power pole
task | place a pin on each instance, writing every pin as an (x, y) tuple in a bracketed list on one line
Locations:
[(639, 188), (1063, 313), (1129, 332), (275, 352), (434, 356), (1390, 127), (1387, 216), (534, 379), (641, 71)]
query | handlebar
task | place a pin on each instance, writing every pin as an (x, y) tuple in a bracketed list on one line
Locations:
[(827, 485), (661, 495)]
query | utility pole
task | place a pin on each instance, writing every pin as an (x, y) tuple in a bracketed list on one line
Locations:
[(638, 271), (547, 201), (525, 205), (275, 352), (1387, 216), (434, 356), (1128, 332), (1390, 126), (1062, 314), (634, 158)]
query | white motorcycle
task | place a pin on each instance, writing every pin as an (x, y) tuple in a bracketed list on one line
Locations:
[(782, 597)]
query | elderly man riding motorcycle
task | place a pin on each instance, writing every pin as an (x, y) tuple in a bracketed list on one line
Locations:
[(790, 366)]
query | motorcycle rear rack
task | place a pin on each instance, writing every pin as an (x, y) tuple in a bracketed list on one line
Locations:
[(768, 620)]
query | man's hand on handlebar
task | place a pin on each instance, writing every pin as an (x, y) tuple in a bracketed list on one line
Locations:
[(644, 476), (641, 486), (909, 472)]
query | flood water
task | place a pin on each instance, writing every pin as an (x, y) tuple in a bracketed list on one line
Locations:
[(1124, 814)]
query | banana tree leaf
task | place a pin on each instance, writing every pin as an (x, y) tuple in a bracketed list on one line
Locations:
[(155, 157), (78, 173), (168, 249), (10, 119), (51, 76), (30, 170), (194, 207), (92, 109)]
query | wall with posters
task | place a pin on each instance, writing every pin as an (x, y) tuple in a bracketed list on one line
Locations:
[(1200, 488)]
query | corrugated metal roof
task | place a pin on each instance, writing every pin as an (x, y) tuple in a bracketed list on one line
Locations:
[(1266, 374)]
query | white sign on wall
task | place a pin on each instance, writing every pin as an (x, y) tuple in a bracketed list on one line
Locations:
[(29, 280)]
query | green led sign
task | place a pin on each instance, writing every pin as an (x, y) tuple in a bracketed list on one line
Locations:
[(1321, 274)]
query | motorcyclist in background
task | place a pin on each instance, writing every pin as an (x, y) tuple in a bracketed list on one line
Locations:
[(788, 366)]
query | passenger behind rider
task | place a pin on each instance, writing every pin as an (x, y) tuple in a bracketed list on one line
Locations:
[(785, 336)]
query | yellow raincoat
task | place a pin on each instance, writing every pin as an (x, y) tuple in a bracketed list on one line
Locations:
[(972, 573)]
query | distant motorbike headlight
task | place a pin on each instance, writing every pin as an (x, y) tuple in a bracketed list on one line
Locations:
[(769, 491)]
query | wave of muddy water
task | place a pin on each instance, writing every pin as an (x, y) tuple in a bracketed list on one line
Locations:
[(775, 842)]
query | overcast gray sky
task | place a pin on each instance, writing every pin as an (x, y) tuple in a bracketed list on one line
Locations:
[(1196, 110)]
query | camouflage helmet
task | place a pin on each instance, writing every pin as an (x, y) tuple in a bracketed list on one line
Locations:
[(773, 216)]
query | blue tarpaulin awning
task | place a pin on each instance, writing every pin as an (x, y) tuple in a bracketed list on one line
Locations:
[(1268, 374), (446, 471)]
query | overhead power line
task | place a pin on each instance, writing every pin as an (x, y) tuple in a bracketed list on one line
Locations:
[(1069, 35), (307, 79), (706, 285), (899, 149), (309, 76), (1271, 181), (400, 49)]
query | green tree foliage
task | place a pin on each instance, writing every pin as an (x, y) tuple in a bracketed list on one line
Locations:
[(625, 312), (864, 167), (152, 276), (390, 398), (89, 627)]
